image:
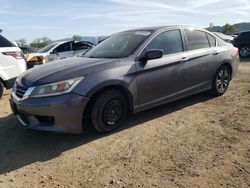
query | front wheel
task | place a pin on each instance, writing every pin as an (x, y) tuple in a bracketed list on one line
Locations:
[(1, 89), (110, 111), (221, 81)]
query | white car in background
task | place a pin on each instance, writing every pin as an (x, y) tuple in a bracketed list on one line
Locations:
[(12, 64), (58, 50), (226, 38)]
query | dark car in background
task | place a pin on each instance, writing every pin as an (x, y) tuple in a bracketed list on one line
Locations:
[(127, 73), (27, 49), (242, 41)]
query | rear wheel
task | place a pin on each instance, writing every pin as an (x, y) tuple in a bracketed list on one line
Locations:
[(1, 89), (221, 81), (245, 51), (109, 111)]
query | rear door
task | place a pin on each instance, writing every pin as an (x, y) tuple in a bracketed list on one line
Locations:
[(201, 56), (161, 79)]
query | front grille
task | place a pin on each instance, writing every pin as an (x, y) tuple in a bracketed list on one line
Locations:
[(20, 91)]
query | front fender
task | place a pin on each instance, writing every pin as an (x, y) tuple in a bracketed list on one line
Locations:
[(105, 84)]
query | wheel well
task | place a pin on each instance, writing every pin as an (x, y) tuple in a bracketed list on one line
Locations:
[(93, 98), (229, 67)]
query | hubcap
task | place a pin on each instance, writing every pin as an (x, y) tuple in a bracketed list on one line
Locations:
[(245, 51), (112, 112), (222, 80)]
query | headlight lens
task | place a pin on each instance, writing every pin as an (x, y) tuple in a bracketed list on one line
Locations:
[(57, 88)]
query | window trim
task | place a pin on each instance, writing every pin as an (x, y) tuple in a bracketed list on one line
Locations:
[(158, 33)]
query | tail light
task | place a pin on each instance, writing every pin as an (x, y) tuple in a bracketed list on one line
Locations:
[(15, 54), (238, 52)]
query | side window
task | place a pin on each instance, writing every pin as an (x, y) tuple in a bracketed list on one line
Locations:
[(81, 46), (196, 39), (212, 40), (170, 42), (63, 47), (5, 43)]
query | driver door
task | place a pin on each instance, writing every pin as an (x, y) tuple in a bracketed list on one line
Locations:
[(159, 80)]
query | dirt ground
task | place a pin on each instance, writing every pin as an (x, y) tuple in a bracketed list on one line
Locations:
[(198, 141)]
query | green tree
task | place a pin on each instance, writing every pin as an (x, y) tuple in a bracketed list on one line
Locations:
[(21, 42), (77, 37), (40, 42), (229, 29)]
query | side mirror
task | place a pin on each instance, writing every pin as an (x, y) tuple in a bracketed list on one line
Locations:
[(152, 54)]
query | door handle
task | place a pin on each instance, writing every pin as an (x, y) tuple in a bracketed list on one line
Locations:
[(215, 53), (184, 59)]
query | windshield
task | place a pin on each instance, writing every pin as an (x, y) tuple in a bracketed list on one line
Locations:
[(118, 45), (47, 48)]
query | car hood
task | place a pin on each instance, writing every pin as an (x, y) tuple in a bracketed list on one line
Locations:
[(63, 70)]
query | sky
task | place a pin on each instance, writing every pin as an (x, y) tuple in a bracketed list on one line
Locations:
[(58, 19)]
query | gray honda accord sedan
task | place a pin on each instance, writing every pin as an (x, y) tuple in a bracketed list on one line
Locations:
[(129, 72)]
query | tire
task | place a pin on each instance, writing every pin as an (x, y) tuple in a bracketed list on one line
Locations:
[(109, 111), (244, 51), (221, 81), (1, 89)]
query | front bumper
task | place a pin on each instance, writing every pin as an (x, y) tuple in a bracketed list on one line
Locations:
[(62, 113)]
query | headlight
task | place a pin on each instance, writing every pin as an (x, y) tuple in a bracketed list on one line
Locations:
[(57, 88)]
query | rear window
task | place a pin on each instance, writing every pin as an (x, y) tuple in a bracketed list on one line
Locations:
[(196, 39), (5, 43)]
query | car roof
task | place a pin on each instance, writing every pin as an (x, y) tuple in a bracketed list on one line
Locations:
[(157, 28), (238, 33), (245, 32)]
